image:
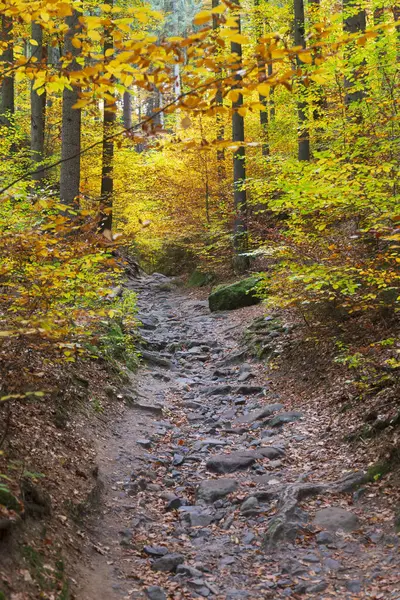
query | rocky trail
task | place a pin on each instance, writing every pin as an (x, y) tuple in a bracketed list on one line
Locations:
[(215, 487)]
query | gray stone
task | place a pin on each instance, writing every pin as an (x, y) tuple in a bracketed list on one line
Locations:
[(188, 571), (285, 417), (354, 586), (332, 565), (317, 587), (174, 503), (271, 452), (154, 592), (168, 562), (144, 443), (310, 558), (335, 519), (250, 506), (199, 519), (156, 550), (324, 537), (211, 490), (229, 463), (261, 413), (178, 459)]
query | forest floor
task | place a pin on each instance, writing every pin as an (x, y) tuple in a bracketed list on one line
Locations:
[(228, 479)]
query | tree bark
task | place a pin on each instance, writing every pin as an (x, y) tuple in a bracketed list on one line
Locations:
[(299, 40), (240, 232), (262, 76), (71, 123), (219, 118), (127, 110), (353, 24), (7, 85), (107, 179), (38, 105)]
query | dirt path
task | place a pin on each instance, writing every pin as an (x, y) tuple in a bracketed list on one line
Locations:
[(203, 494)]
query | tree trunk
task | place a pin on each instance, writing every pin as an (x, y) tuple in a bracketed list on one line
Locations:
[(7, 85), (396, 16), (299, 40), (353, 24), (38, 106), (271, 103), (107, 179), (127, 110), (262, 76), (240, 233), (219, 117), (71, 123)]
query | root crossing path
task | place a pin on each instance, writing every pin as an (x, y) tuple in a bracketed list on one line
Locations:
[(203, 495)]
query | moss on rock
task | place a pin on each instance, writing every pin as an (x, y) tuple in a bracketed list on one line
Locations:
[(235, 295)]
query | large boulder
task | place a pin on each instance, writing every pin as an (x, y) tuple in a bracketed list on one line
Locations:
[(233, 296), (334, 518)]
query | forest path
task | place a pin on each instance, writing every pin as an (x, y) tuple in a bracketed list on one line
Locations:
[(203, 492)]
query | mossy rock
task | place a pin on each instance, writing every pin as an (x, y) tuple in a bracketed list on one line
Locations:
[(235, 295), (379, 470), (8, 500), (200, 279)]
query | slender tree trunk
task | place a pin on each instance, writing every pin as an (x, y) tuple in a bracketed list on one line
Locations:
[(271, 103), (219, 118), (356, 23), (262, 76), (127, 110), (396, 16), (71, 123), (38, 105), (107, 179), (299, 40), (7, 85), (240, 232)]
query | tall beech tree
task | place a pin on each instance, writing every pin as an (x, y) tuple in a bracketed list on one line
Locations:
[(38, 103), (240, 230), (71, 119), (355, 21), (109, 118), (302, 106), (7, 106), (262, 76)]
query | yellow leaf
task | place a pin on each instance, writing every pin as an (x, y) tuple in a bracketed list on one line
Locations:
[(306, 57), (186, 123), (218, 10), (76, 42), (233, 95), (45, 16), (242, 111), (81, 103), (318, 78), (238, 38), (263, 89), (109, 52), (33, 42), (202, 17)]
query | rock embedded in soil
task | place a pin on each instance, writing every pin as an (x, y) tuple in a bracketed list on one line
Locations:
[(155, 550), (211, 490), (335, 518), (229, 463), (250, 506), (154, 592), (235, 295), (261, 413), (168, 562), (286, 417)]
